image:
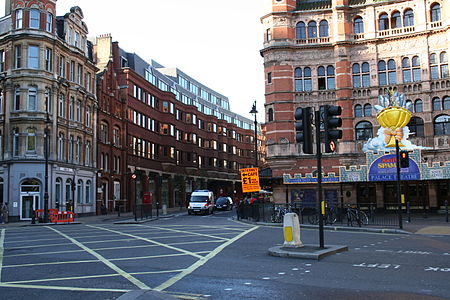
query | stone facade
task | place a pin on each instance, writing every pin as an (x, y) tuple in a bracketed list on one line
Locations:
[(403, 46)]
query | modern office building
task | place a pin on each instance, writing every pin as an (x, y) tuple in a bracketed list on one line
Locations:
[(47, 86), (348, 53), (163, 134)]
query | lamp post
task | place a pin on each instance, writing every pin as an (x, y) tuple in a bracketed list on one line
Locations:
[(46, 197), (254, 112)]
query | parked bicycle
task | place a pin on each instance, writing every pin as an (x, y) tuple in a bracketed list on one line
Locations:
[(329, 218), (278, 214), (356, 216)]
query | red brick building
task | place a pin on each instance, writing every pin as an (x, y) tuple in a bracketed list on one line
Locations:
[(152, 142)]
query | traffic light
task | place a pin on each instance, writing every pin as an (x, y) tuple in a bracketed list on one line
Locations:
[(331, 123), (303, 128), (404, 159)]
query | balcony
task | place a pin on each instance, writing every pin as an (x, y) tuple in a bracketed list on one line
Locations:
[(320, 40), (396, 31)]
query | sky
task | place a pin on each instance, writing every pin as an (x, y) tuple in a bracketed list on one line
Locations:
[(216, 42)]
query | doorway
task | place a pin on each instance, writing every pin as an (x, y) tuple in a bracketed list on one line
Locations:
[(27, 205)]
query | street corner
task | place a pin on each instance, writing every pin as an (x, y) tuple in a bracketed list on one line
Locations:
[(307, 251), (441, 230)]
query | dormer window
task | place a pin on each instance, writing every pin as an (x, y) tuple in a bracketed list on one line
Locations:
[(34, 18)]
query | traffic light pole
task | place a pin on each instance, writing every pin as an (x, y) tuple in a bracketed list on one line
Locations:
[(319, 179), (399, 198)]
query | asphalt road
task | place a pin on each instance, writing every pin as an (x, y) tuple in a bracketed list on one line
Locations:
[(214, 257)]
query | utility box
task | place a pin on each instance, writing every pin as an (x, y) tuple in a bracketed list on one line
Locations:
[(291, 230)]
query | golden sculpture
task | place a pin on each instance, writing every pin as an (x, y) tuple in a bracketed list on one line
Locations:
[(393, 119)]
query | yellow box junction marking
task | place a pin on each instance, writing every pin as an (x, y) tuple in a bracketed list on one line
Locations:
[(130, 278)]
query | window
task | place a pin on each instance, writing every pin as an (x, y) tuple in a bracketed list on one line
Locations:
[(446, 102), (48, 59), (367, 110), (383, 22), (361, 75), (392, 74), (103, 132), (268, 35), (323, 28), (406, 67), (417, 72), (87, 155), (58, 192), (88, 191), (79, 191), (416, 126), (358, 25), (326, 79), (49, 22), (32, 101), (88, 117), (436, 104), (408, 18), (33, 57), (78, 112), (62, 66), (71, 148), (116, 136), (409, 105), (16, 104), (270, 115), (442, 125), (34, 18), (312, 30), (69, 190), (418, 106), (61, 148), (31, 140), (363, 131), (358, 111), (48, 100), (18, 56), (15, 141), (78, 150), (80, 74), (72, 71), (2, 60), (62, 106), (396, 20), (435, 12), (269, 77), (71, 108), (300, 31), (443, 59), (19, 16)]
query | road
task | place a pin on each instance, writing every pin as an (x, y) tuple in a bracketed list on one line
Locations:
[(214, 257)]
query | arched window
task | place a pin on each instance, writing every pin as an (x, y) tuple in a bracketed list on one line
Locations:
[(307, 81), (31, 140), (325, 78), (58, 192), (87, 154), (312, 30), (392, 74), (323, 28), (298, 78), (270, 115), (367, 110), (446, 102), (408, 17), (416, 126), (418, 106), (358, 25), (384, 22), (396, 20), (442, 125), (364, 131), (382, 75), (80, 191), (358, 111), (61, 152), (15, 141), (435, 12), (300, 31), (356, 74), (88, 191), (331, 84), (416, 70), (71, 148), (69, 190), (62, 106), (436, 104), (443, 59), (406, 69)]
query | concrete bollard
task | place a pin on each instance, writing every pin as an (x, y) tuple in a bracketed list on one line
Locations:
[(291, 229), (164, 209)]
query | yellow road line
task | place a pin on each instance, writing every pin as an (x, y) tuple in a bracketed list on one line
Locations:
[(2, 240), (61, 288), (202, 261), (150, 241), (189, 232), (92, 276), (130, 278)]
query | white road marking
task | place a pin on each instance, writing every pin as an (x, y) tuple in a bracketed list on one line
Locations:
[(202, 261), (151, 241), (61, 288), (188, 232), (124, 274)]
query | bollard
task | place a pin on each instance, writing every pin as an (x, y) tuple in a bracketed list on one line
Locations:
[(291, 230), (446, 211), (408, 211)]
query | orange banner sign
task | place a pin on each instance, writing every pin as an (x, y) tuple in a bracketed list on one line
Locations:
[(250, 180)]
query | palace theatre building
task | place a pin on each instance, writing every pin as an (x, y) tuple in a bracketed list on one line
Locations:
[(348, 53)]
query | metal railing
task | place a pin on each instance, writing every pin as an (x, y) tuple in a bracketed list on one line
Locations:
[(143, 211)]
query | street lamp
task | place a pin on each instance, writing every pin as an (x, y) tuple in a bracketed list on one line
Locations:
[(254, 112), (46, 133)]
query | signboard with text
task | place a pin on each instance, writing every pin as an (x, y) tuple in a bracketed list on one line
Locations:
[(385, 169), (250, 180)]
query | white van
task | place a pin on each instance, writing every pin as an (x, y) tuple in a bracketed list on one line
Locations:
[(202, 201)]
